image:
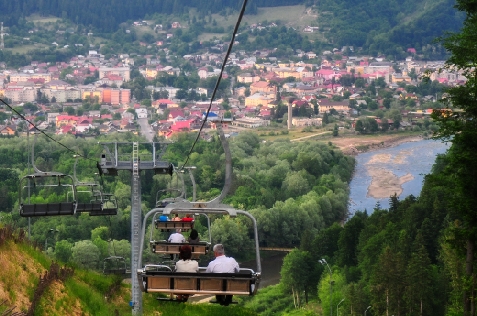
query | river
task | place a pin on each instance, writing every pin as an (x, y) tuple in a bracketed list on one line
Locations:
[(399, 169)]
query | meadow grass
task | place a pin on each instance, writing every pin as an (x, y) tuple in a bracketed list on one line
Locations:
[(24, 49), (35, 254), (92, 301), (41, 19), (203, 309)]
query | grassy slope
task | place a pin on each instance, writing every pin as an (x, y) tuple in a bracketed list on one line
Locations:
[(86, 293), (296, 16)]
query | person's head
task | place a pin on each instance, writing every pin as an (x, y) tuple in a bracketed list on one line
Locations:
[(178, 230), (185, 252), (177, 215), (187, 215), (219, 250), (193, 234)]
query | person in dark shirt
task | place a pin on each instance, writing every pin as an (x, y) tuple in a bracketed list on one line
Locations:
[(193, 237)]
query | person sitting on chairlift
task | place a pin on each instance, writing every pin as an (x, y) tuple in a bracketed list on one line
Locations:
[(187, 218), (185, 264), (193, 237), (176, 237), (176, 218), (163, 218), (222, 264)]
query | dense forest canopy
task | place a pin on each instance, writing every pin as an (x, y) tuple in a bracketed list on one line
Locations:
[(382, 25)]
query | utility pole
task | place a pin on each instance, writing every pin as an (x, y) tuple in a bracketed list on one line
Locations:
[(2, 43), (111, 162)]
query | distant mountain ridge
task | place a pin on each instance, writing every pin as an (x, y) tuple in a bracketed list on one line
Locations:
[(106, 15), (387, 27)]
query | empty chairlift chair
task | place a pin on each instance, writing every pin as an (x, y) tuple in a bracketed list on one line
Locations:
[(109, 205), (114, 265), (37, 188), (46, 193), (92, 200)]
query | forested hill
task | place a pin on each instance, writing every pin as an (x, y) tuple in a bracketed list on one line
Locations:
[(377, 24), (106, 15)]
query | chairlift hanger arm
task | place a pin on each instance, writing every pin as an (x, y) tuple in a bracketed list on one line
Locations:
[(185, 207)]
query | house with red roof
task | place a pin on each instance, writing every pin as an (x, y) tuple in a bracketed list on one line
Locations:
[(182, 126), (66, 120), (84, 124), (174, 114), (299, 103), (66, 129)]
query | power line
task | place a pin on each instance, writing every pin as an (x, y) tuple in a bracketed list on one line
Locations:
[(48, 136), (237, 24)]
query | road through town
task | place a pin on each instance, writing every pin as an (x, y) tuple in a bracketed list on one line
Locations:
[(146, 129)]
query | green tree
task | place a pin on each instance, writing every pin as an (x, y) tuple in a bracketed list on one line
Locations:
[(86, 254), (233, 234), (325, 119), (101, 232), (181, 94), (335, 130), (458, 123), (297, 275), (331, 295), (419, 279), (387, 282), (63, 251), (349, 238), (359, 126), (359, 83), (70, 110)]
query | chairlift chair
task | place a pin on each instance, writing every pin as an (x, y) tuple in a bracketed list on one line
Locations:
[(39, 185), (114, 265), (154, 278), (96, 202)]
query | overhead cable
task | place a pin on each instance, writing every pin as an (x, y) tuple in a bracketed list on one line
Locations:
[(237, 25)]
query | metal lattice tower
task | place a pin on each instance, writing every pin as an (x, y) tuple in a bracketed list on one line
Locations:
[(135, 228), (110, 164)]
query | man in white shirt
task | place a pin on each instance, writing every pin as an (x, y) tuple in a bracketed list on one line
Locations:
[(177, 237), (222, 264)]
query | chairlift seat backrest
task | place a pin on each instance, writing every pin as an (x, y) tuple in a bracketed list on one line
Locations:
[(173, 225), (49, 209), (165, 247), (89, 207), (104, 212), (243, 283)]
